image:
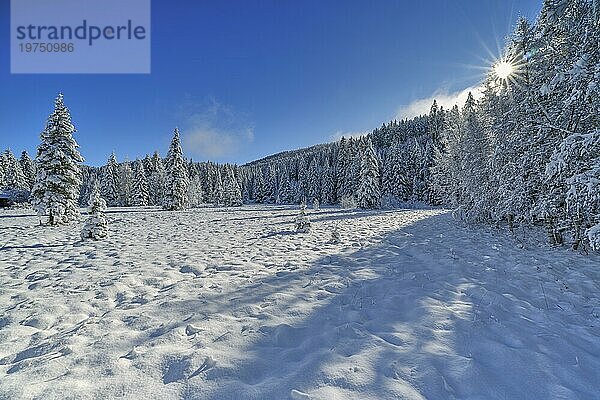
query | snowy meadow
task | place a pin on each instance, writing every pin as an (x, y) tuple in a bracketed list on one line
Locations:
[(233, 303), (301, 274)]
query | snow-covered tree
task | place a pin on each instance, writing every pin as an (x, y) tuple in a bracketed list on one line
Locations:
[(156, 180), (110, 188), (284, 195), (126, 183), (316, 205), (368, 194), (217, 189), (195, 191), (95, 226), (328, 189), (577, 161), (58, 176), (314, 181), (28, 168), (177, 180), (232, 194), (2, 169), (140, 186), (302, 222), (14, 178), (260, 188), (335, 234)]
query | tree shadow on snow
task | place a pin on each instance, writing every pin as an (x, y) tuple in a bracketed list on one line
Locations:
[(401, 319)]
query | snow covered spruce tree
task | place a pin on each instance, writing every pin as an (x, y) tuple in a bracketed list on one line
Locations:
[(110, 182), (368, 194), (126, 180), (232, 194), (156, 180), (177, 180), (95, 225), (284, 194), (14, 178), (140, 185), (195, 191), (217, 188), (302, 222), (28, 168), (2, 170), (58, 176)]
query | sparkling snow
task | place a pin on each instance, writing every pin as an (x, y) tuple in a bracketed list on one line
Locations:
[(234, 304)]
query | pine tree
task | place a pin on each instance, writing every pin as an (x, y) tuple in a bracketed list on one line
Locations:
[(156, 182), (260, 191), (314, 181), (232, 194), (58, 176), (140, 186), (126, 182), (110, 182), (302, 183), (302, 222), (28, 168), (328, 192), (218, 197), (14, 178), (343, 165), (89, 177), (284, 195), (177, 180), (195, 191), (368, 195), (271, 185), (95, 225), (3, 164), (474, 169)]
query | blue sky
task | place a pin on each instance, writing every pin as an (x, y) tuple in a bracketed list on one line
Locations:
[(245, 79)]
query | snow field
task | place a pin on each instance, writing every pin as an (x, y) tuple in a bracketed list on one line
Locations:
[(234, 304)]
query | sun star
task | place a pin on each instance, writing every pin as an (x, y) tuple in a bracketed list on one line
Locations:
[(503, 70)]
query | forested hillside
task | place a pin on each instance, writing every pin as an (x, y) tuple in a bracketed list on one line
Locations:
[(524, 151)]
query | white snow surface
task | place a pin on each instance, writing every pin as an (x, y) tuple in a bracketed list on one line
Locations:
[(234, 304)]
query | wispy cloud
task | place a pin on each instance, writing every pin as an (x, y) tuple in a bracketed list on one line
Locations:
[(442, 96), (212, 130)]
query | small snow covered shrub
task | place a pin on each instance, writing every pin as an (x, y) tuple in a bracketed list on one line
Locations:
[(95, 226), (348, 202), (302, 223), (316, 205), (335, 234)]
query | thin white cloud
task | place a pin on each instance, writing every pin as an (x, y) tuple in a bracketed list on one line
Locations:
[(213, 130), (442, 96)]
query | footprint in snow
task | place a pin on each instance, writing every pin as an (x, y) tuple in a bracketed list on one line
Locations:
[(133, 353), (186, 269), (175, 370), (206, 365), (191, 330)]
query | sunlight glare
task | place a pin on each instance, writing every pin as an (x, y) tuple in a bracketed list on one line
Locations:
[(503, 70)]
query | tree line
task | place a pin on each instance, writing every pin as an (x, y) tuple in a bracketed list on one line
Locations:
[(526, 151)]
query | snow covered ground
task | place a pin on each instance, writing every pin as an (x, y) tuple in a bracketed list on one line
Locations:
[(231, 304)]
